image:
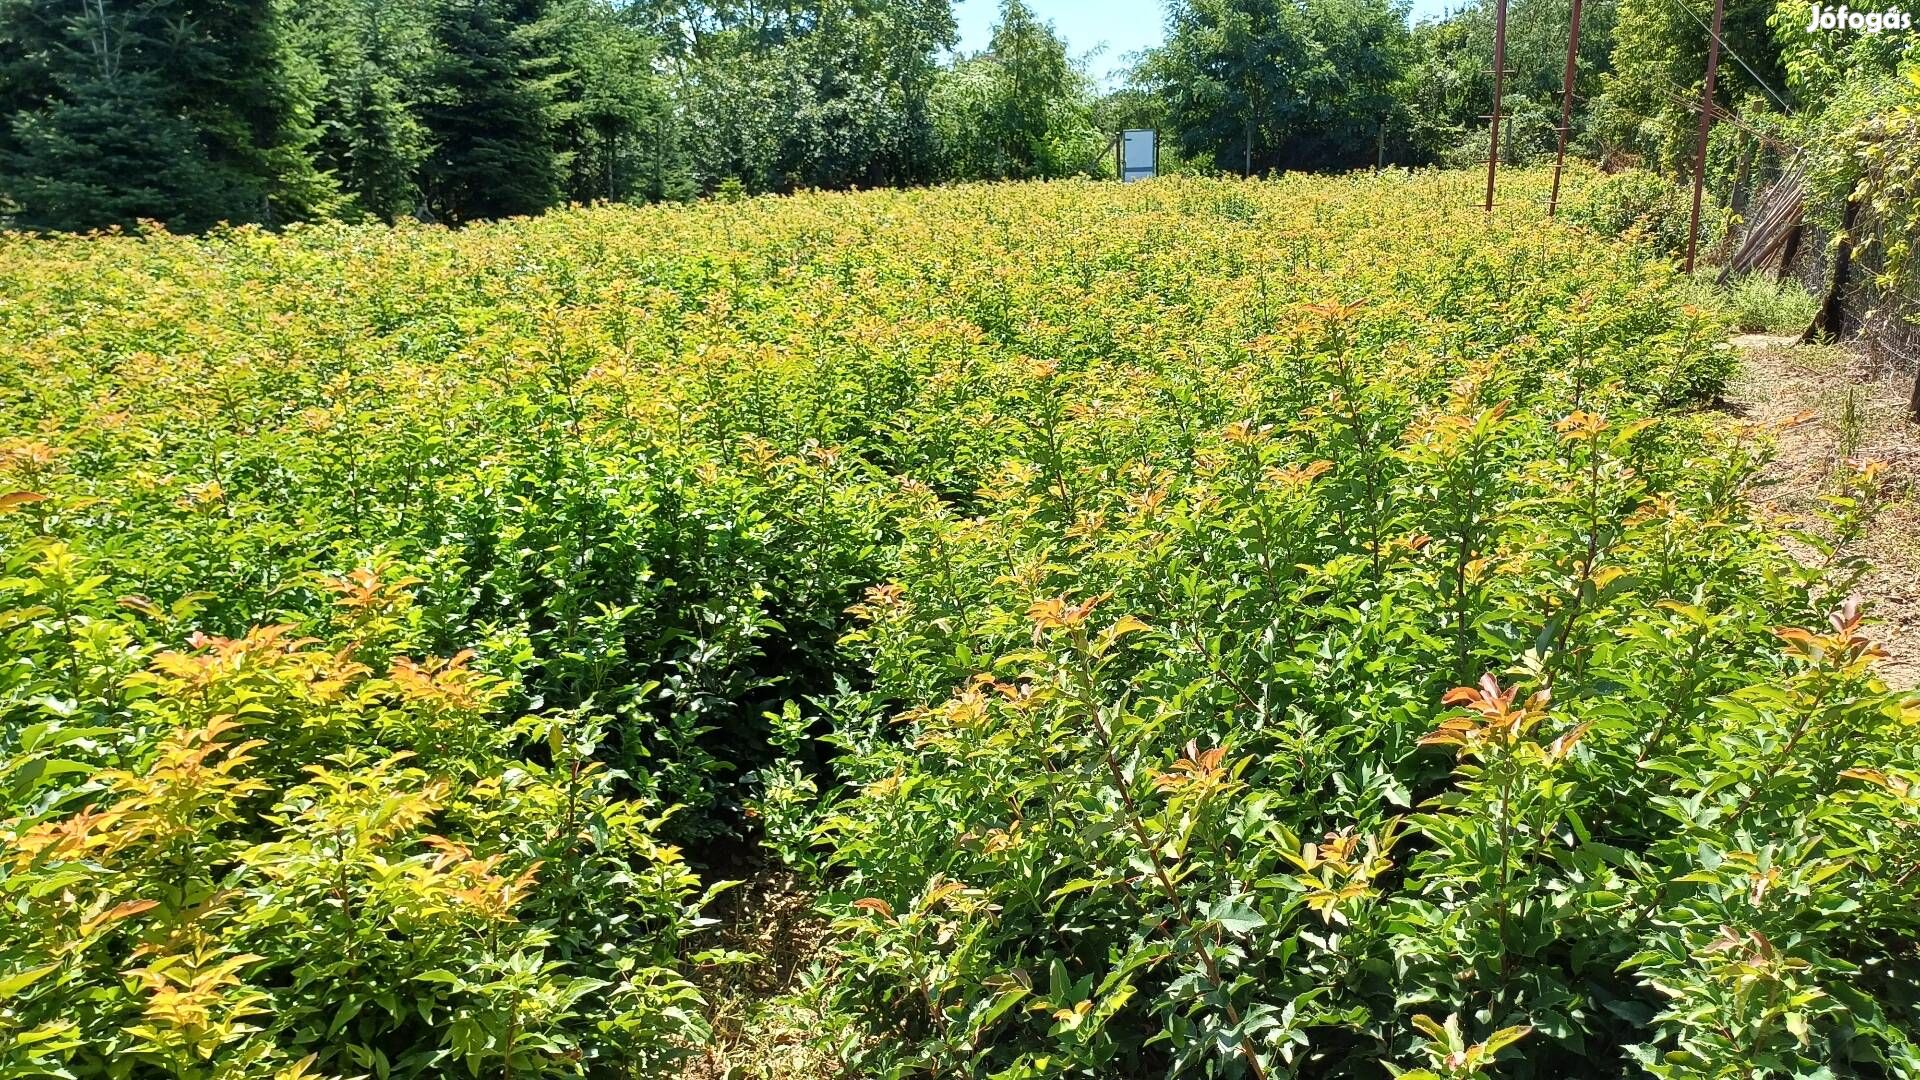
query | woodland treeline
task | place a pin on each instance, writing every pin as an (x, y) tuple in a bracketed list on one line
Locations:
[(193, 112)]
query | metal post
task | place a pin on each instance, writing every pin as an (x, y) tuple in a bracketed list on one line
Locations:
[(1706, 122), (1566, 107), (1499, 87)]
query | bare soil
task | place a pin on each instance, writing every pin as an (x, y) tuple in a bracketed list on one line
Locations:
[(1829, 406)]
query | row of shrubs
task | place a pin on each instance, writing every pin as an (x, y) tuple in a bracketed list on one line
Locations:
[(1214, 628)]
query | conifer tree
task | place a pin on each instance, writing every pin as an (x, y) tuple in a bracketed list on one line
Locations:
[(373, 56), (607, 96), (231, 71), (187, 111), (103, 154), (488, 113)]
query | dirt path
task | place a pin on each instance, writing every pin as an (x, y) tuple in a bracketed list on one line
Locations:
[(1833, 405), (762, 1028)]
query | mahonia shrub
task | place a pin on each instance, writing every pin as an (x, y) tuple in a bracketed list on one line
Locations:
[(1296, 627)]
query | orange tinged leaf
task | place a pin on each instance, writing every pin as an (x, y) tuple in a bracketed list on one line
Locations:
[(1562, 746)]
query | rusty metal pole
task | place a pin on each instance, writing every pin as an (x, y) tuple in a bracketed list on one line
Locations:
[(1566, 106), (1706, 122), (1499, 88)]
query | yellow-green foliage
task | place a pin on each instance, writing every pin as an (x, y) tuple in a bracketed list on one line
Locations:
[(1071, 577)]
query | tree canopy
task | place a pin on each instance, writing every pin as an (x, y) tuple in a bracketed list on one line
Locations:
[(194, 112)]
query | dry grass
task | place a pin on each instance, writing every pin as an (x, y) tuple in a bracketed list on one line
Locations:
[(1832, 405), (765, 1026)]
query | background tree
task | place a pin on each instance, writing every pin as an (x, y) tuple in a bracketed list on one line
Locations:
[(372, 55), (489, 114), (1265, 85), (1129, 107), (233, 73), (1347, 100), (86, 142), (185, 111), (827, 93), (1449, 84), (1021, 109), (1221, 74), (197, 111), (607, 99), (1659, 60)]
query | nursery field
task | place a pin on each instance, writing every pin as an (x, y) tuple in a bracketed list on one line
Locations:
[(1198, 628)]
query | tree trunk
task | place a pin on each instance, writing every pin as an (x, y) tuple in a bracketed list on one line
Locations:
[(1830, 322)]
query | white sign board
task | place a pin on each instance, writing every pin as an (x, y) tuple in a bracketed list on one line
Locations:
[(1139, 154)]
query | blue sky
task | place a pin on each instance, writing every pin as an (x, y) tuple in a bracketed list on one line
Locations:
[(1121, 26)]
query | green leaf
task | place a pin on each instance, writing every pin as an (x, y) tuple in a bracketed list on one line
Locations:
[(1235, 918), (13, 984)]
